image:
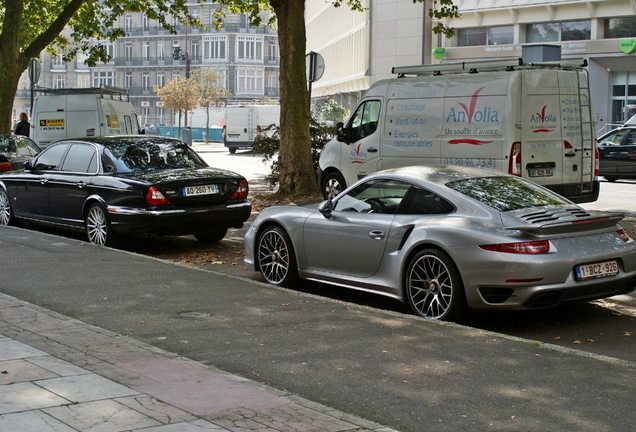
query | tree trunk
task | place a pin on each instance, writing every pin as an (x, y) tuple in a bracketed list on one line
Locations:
[(12, 63), (297, 175)]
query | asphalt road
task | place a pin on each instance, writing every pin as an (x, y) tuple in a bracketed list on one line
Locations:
[(395, 369)]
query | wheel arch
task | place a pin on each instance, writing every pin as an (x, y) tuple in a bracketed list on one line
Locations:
[(414, 251), (93, 199), (261, 229)]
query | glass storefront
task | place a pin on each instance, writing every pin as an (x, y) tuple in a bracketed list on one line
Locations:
[(623, 96)]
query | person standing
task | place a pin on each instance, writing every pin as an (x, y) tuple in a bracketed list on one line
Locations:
[(23, 127)]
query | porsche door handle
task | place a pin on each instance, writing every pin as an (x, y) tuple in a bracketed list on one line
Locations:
[(81, 185), (43, 181), (376, 234)]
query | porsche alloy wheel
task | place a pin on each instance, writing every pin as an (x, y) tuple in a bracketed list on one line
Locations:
[(433, 286), (97, 226), (275, 256)]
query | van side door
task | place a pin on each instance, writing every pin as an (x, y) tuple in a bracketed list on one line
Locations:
[(363, 136)]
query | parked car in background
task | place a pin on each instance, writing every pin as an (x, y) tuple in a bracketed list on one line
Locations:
[(617, 153), (15, 150), (445, 238), (110, 186)]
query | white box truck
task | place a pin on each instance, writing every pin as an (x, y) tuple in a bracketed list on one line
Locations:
[(531, 120), (82, 112), (245, 123)]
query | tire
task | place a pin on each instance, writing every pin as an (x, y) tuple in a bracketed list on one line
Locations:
[(611, 179), (211, 236), (232, 150), (433, 287), (6, 213), (332, 184), (98, 228), (275, 257)]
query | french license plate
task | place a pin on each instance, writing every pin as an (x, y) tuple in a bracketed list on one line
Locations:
[(200, 190), (540, 172), (597, 270)]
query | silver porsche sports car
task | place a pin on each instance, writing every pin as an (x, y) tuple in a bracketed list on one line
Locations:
[(442, 239)]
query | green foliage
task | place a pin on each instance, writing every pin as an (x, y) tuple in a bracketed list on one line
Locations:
[(269, 145), (332, 111)]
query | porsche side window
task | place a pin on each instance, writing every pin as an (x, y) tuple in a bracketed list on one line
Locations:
[(365, 120), (422, 201), (376, 196), (613, 139), (49, 159)]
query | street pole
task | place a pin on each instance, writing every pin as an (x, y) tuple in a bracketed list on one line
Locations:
[(187, 67)]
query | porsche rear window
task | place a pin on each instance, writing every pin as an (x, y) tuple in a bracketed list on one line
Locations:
[(506, 193)]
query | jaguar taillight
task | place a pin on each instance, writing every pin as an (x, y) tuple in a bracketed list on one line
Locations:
[(154, 197), (241, 191)]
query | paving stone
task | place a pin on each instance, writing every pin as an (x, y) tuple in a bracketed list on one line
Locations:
[(32, 421), (158, 410), (101, 416), (12, 350), (193, 426), (84, 388), (26, 396), (60, 367), (14, 371)]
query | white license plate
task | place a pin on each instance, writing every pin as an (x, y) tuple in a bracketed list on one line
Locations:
[(540, 172), (200, 190), (597, 270)]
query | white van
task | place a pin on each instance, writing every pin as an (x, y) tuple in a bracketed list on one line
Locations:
[(82, 112), (245, 123), (532, 121)]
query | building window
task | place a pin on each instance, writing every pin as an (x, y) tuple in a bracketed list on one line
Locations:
[(128, 22), (161, 79), (144, 22), (83, 80), (272, 52), (620, 27), (103, 78), (563, 31), (249, 81), (57, 61), (146, 51), (128, 51), (214, 47), (128, 80), (145, 81), (249, 48), (485, 36), (176, 75), (110, 50), (194, 50), (59, 81), (160, 51)]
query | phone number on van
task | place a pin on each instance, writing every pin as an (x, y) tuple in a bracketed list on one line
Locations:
[(471, 162)]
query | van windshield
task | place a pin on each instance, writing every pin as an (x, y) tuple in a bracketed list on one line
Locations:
[(507, 193), (148, 156)]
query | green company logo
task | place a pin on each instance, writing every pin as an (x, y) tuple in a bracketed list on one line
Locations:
[(628, 45), (439, 53)]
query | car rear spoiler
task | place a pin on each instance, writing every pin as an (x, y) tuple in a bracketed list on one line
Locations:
[(597, 221)]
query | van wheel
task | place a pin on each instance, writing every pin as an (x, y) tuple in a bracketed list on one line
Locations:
[(332, 184), (232, 150)]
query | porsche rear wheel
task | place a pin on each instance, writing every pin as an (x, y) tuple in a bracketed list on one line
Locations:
[(433, 286), (275, 257)]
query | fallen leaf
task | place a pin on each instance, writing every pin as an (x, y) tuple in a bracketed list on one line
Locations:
[(577, 342), (627, 333)]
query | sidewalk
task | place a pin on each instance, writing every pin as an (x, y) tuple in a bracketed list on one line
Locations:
[(59, 374)]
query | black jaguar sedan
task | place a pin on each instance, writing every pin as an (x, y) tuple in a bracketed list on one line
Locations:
[(112, 186)]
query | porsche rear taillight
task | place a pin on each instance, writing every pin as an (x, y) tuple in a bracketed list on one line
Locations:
[(241, 191), (154, 197), (527, 248), (514, 162)]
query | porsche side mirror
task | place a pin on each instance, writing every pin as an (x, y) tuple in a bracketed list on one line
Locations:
[(28, 165), (326, 207)]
